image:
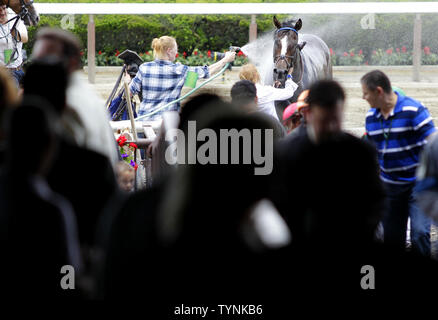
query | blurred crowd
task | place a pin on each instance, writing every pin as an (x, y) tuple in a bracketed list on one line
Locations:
[(209, 231)]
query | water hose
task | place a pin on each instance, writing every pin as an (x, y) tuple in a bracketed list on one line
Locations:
[(187, 94)]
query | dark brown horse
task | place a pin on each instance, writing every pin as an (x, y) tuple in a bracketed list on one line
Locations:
[(24, 10), (307, 54)]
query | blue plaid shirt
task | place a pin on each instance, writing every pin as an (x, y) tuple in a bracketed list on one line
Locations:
[(160, 82)]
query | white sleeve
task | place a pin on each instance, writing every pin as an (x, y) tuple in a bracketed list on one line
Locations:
[(282, 93)]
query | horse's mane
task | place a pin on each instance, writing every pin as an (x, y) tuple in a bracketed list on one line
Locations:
[(289, 23)]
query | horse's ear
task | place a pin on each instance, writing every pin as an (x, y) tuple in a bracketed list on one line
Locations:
[(298, 24), (276, 22)]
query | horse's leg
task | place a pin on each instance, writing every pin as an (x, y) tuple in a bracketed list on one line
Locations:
[(327, 68)]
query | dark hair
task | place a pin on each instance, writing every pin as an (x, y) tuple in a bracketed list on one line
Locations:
[(243, 91), (197, 103), (32, 113), (71, 46), (376, 78), (47, 78), (325, 93)]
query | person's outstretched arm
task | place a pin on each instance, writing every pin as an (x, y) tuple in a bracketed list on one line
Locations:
[(216, 67)]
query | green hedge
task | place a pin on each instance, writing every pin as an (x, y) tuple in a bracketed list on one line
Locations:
[(218, 32), (120, 32)]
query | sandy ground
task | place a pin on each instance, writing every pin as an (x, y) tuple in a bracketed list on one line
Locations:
[(425, 91), (356, 108)]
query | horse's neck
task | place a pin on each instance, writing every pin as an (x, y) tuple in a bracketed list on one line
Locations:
[(298, 67)]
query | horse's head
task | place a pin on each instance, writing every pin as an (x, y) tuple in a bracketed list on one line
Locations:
[(25, 9), (285, 48)]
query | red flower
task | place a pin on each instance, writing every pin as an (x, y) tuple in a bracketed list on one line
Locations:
[(117, 53), (185, 54), (331, 52), (136, 167), (389, 51), (426, 50), (147, 52), (121, 140), (195, 53), (360, 52), (177, 55), (133, 145), (397, 49), (82, 53), (404, 49), (240, 53), (351, 54), (100, 52), (209, 53), (345, 54)]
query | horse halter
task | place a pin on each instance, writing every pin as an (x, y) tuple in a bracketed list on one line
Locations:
[(24, 5), (285, 58), (287, 28)]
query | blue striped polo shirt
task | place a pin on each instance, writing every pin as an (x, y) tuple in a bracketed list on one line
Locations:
[(400, 138)]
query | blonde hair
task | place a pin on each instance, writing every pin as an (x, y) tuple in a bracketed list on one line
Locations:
[(249, 72), (122, 166), (160, 46)]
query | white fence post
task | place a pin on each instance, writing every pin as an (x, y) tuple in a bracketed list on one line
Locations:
[(253, 28), (416, 58), (91, 52)]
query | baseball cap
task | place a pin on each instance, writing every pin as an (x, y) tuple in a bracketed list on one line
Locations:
[(290, 111)]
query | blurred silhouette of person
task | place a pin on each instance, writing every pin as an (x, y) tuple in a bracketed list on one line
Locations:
[(8, 97), (207, 221), (319, 158), (336, 178), (38, 226), (145, 244), (38, 75), (308, 166), (244, 95), (98, 135), (84, 177), (127, 235)]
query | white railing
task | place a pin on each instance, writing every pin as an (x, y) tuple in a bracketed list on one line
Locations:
[(237, 8)]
